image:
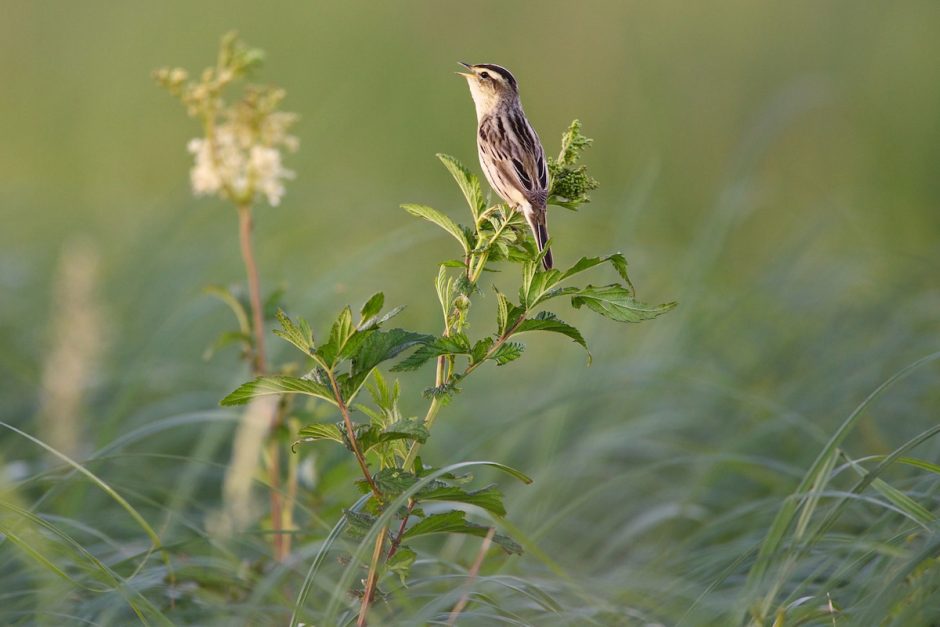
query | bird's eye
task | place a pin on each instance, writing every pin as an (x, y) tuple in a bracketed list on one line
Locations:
[(484, 75)]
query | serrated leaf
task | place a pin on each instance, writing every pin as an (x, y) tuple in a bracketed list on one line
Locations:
[(340, 333), (510, 351), (615, 302), (267, 386), (480, 349), (441, 220), (297, 334), (573, 143), (384, 345), (488, 498), (469, 184), (393, 481), (314, 432), (502, 311), (455, 521), (408, 428), (400, 563), (370, 436), (456, 344), (358, 523), (546, 321), (371, 309)]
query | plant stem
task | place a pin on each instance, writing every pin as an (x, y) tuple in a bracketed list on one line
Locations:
[(258, 367), (372, 579), (351, 434), (254, 288), (401, 530)]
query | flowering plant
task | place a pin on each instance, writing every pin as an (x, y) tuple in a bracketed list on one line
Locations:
[(238, 158)]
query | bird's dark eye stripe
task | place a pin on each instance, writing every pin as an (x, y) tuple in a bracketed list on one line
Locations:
[(495, 69)]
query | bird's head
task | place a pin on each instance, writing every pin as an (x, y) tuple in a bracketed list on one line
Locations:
[(490, 86)]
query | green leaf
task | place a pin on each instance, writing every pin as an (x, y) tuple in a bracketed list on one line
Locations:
[(359, 523), (586, 263), (455, 521), (468, 183), (547, 321), (573, 144), (314, 432), (370, 436), (372, 308), (510, 351), (489, 498), (384, 345), (400, 563), (267, 386), (615, 302), (297, 334), (502, 311), (456, 344), (570, 183), (392, 481), (480, 349), (342, 331), (438, 218), (445, 286)]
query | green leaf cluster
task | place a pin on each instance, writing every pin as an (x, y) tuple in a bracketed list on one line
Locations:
[(403, 494), (570, 182), (349, 356)]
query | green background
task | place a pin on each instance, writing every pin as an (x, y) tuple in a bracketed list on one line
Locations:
[(771, 166)]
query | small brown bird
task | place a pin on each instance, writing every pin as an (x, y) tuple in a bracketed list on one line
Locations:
[(511, 154)]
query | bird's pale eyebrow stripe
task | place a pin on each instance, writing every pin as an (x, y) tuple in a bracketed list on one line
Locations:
[(503, 72)]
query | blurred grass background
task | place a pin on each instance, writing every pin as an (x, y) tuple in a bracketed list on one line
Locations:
[(771, 166)]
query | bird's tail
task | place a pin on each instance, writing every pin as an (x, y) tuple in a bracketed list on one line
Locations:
[(540, 230)]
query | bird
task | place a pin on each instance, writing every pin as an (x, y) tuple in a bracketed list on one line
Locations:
[(510, 151)]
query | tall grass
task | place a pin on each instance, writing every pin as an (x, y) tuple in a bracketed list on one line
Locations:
[(732, 464)]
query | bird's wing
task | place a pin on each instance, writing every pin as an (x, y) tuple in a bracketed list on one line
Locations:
[(515, 150)]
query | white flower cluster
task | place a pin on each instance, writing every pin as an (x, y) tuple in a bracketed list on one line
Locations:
[(236, 163)]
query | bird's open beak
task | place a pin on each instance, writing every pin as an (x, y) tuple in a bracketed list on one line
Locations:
[(465, 74)]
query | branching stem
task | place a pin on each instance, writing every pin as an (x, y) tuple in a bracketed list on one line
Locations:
[(351, 434), (396, 541)]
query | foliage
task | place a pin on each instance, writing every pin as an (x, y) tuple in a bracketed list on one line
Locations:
[(386, 444)]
